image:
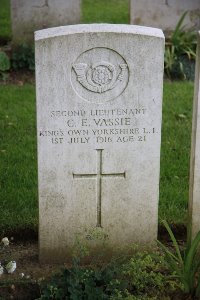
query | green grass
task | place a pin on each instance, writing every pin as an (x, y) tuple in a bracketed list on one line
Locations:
[(5, 22), (105, 11), (175, 151), (18, 169)]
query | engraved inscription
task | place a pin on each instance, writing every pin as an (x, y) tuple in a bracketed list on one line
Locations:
[(98, 176), (100, 126), (99, 75)]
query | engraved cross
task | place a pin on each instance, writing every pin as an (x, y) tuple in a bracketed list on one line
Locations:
[(99, 175)]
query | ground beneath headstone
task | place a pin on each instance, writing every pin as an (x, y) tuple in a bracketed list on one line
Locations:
[(14, 286), (26, 255)]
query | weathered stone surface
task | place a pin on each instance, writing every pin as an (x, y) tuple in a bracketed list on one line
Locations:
[(99, 102), (194, 204), (30, 15), (165, 14)]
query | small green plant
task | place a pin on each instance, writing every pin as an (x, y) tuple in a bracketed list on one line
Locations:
[(4, 65), (23, 58), (141, 277), (84, 283), (185, 266), (148, 276), (180, 51)]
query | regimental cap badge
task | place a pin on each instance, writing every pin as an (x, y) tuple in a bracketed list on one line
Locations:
[(99, 77)]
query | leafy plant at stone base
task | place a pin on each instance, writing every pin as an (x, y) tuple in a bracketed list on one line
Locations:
[(148, 277), (141, 277), (4, 65), (180, 52), (184, 266), (23, 57), (82, 283)]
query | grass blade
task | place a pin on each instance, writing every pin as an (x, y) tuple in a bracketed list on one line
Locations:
[(173, 241), (172, 260)]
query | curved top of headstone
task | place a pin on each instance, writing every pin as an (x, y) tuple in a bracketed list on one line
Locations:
[(91, 28)]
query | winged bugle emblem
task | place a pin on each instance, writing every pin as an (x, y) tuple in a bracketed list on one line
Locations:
[(99, 77)]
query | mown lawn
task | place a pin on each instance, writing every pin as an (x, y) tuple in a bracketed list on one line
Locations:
[(107, 11), (18, 170), (175, 151), (18, 166)]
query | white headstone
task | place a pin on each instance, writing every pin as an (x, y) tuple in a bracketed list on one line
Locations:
[(165, 14), (30, 15), (99, 102), (194, 204)]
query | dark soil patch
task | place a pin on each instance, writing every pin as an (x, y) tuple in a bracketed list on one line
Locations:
[(4, 41), (19, 77), (179, 231), (31, 234), (20, 291), (14, 286), (26, 235)]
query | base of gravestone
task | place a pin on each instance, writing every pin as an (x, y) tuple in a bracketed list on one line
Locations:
[(93, 245)]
